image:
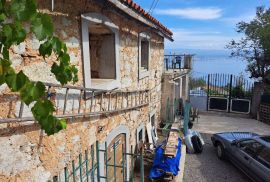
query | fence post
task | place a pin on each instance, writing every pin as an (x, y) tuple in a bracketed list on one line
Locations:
[(131, 178), (208, 87), (92, 163), (123, 161), (168, 110), (106, 160), (167, 63), (66, 174), (142, 167), (73, 171), (114, 162), (230, 94), (186, 116), (86, 165), (97, 154)]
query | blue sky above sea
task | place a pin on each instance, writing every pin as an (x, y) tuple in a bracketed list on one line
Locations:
[(204, 28), (202, 24)]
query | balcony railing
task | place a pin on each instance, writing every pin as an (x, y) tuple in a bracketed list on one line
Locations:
[(177, 62)]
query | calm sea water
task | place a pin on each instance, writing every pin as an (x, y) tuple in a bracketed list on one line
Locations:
[(203, 65)]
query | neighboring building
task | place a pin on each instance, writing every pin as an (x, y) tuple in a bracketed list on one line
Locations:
[(175, 84), (118, 49)]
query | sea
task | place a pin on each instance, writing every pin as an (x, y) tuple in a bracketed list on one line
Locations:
[(212, 62)]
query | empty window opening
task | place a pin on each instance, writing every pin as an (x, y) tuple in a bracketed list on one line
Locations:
[(102, 53), (144, 54), (140, 135)]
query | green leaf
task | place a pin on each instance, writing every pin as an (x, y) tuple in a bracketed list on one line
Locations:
[(74, 71), (62, 124), (7, 35), (42, 26), (12, 34), (32, 92), (23, 10), (52, 125), (45, 49), (64, 59), (57, 45), (2, 17), (42, 112), (5, 53), (16, 81), (42, 109), (4, 69), (19, 33)]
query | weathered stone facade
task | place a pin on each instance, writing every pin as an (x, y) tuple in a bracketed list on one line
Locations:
[(26, 153)]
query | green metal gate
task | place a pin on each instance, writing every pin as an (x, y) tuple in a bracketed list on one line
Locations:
[(88, 167)]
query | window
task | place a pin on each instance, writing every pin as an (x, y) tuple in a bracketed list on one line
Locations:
[(100, 52), (251, 147), (140, 132), (144, 55), (140, 135), (264, 157)]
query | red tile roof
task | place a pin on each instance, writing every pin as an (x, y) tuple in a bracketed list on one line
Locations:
[(138, 9)]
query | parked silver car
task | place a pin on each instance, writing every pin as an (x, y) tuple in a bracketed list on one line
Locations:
[(248, 151)]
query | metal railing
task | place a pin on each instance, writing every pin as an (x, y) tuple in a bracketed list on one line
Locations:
[(177, 62), (87, 168), (73, 101)]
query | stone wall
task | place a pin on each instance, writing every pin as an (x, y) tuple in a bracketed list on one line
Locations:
[(26, 153)]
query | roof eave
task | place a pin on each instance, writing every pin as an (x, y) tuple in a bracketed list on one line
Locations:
[(136, 16)]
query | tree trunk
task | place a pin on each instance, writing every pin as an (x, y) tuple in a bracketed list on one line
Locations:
[(256, 98)]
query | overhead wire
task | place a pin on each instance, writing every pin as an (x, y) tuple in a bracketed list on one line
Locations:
[(152, 4), (153, 8)]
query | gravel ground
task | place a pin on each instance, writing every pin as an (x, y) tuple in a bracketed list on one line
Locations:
[(206, 167)]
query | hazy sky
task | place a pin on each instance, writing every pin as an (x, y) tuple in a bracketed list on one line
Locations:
[(203, 24)]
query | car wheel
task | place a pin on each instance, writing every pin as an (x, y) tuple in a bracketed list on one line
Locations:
[(220, 151), (197, 144)]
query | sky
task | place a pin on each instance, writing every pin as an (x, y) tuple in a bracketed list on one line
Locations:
[(206, 25)]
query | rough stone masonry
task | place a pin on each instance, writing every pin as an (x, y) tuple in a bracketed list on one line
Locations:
[(26, 153)]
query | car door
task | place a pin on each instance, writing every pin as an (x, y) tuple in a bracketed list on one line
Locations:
[(244, 152), (261, 164)]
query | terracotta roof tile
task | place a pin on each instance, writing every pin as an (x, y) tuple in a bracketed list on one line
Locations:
[(138, 9)]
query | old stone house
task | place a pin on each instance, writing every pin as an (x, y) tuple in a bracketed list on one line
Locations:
[(118, 49)]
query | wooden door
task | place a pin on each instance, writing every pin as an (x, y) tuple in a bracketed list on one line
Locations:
[(116, 174)]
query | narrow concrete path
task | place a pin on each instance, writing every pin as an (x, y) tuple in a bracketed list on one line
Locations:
[(206, 167)]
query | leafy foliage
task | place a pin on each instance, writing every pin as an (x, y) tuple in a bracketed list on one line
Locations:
[(197, 82), (254, 47), (13, 15)]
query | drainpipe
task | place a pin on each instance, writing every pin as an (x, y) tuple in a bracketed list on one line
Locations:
[(52, 5)]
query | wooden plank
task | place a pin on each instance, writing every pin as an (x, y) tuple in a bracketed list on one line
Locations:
[(172, 141)]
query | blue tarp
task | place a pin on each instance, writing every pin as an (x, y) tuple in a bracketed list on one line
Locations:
[(164, 164)]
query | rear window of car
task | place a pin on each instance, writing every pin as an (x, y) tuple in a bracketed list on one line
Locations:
[(264, 157)]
